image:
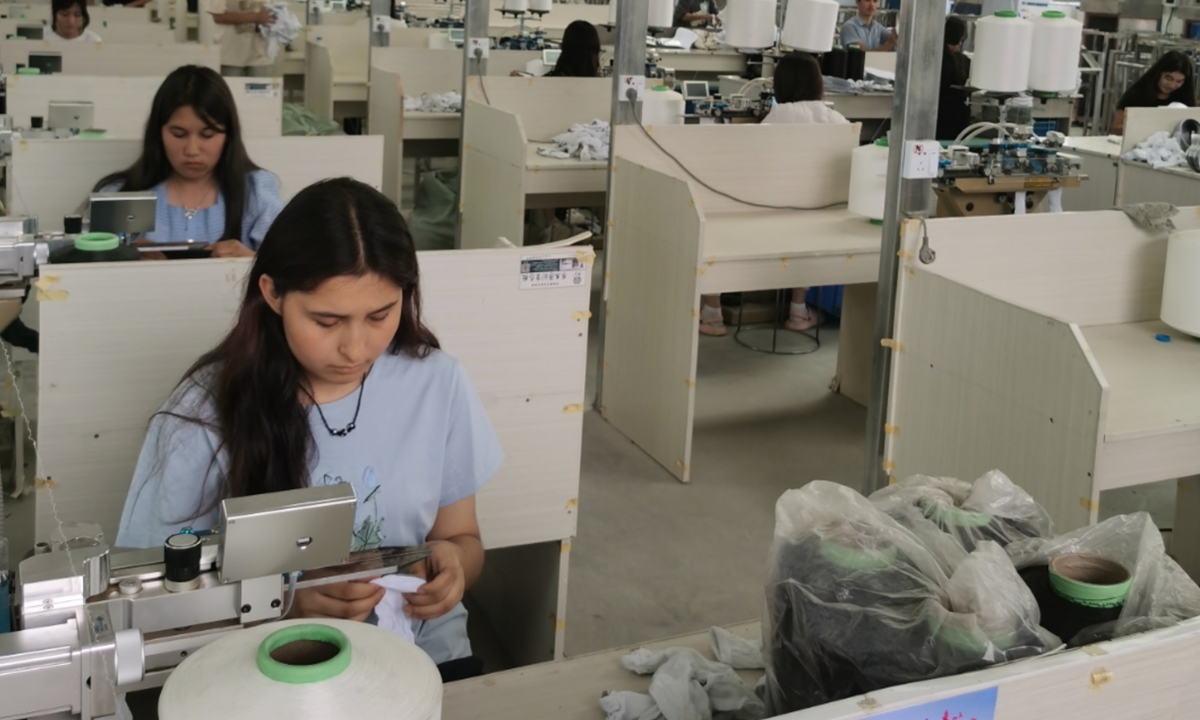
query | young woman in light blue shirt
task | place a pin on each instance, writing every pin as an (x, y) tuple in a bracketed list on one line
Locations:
[(329, 376), (209, 191)]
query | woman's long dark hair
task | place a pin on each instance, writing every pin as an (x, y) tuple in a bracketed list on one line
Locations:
[(1146, 87), (580, 55), (57, 6), (207, 94), (798, 78), (331, 229)]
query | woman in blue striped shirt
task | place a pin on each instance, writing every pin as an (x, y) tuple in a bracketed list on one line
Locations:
[(209, 191)]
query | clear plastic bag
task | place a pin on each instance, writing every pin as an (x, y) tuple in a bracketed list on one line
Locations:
[(1161, 594), (857, 602), (992, 508)]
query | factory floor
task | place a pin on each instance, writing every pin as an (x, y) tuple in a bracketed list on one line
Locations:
[(654, 557)]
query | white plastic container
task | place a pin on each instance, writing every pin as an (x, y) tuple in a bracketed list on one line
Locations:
[(1003, 46), (1181, 282), (868, 180), (810, 25), (749, 24), (1054, 63), (516, 5), (542, 6), (662, 106)]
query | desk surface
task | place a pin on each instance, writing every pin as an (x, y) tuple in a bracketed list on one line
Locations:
[(1154, 387), (772, 234), (541, 163), (565, 690), (1099, 145)]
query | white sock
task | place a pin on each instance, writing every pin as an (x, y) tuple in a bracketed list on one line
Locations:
[(799, 308), (710, 313)]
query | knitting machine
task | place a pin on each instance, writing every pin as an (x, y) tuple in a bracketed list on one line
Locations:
[(93, 623), (1009, 174), (523, 40), (750, 103)]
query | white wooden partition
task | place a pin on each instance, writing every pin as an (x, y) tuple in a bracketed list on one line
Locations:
[(141, 31), (122, 104), (52, 178), (1100, 158), (100, 14), (1142, 677), (502, 173), (671, 240), (397, 72), (117, 337), (336, 66), (114, 58), (1029, 345)]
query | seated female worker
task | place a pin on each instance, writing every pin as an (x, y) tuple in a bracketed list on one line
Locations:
[(209, 191), (329, 376)]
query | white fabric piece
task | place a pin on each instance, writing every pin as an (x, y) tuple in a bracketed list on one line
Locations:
[(283, 31), (586, 142), (1055, 198), (688, 686), (1160, 150), (627, 705), (434, 102), (390, 609), (807, 111), (735, 650), (1019, 202)]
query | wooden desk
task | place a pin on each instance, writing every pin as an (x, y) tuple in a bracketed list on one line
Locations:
[(689, 64), (866, 106), (38, 185), (109, 358), (1147, 677), (569, 689), (1048, 370), (1142, 183), (502, 174), (115, 58), (122, 104), (673, 240)]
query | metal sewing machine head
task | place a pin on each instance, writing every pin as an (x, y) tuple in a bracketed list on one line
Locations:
[(92, 622)]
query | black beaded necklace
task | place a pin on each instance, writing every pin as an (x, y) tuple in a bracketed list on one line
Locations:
[(340, 432)]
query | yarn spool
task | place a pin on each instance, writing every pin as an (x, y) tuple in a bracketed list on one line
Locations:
[(810, 25), (305, 670), (1054, 63), (1003, 47), (750, 24)]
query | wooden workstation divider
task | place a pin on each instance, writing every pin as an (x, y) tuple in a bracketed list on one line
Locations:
[(671, 240)]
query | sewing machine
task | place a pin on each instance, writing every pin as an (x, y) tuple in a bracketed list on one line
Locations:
[(93, 622)]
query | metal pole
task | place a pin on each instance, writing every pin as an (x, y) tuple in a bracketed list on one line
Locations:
[(476, 44), (629, 70), (381, 23), (914, 117)]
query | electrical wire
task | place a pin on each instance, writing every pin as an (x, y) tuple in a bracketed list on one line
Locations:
[(291, 594), (712, 189)]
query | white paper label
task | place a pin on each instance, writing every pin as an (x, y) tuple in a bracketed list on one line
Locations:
[(921, 159), (559, 270), (262, 89)]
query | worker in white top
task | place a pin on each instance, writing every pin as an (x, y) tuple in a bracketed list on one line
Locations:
[(69, 21), (799, 97), (243, 47), (863, 32)]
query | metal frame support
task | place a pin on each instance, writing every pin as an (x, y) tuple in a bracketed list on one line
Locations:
[(381, 23), (629, 61), (476, 16), (921, 26)]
